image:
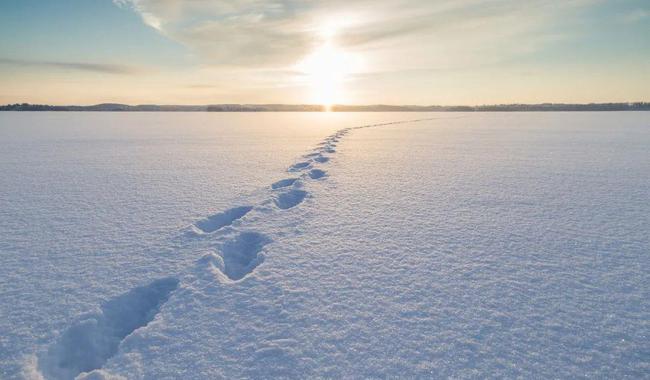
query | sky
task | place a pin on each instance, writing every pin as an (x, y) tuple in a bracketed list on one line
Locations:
[(446, 52)]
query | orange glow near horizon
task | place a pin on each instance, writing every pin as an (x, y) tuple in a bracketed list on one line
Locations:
[(327, 69)]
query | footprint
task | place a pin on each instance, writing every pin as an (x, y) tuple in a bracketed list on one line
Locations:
[(242, 254), (90, 342), (283, 183), (321, 159), (290, 199), (309, 155), (316, 173), (330, 150), (222, 219), (299, 166)]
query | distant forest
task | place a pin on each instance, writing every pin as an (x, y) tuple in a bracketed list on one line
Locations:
[(112, 107)]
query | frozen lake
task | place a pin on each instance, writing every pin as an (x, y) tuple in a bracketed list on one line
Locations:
[(211, 245)]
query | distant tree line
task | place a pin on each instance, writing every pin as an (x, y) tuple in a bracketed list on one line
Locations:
[(114, 107)]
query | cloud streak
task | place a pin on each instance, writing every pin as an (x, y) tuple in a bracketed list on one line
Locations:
[(278, 33), (103, 68)]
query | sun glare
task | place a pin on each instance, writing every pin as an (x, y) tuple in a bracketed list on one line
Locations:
[(326, 70)]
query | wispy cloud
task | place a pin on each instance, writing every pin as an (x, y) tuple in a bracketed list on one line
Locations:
[(79, 66), (250, 33), (278, 33)]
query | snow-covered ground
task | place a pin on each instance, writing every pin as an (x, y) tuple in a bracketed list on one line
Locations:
[(298, 245)]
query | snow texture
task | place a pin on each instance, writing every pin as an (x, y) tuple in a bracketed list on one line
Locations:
[(464, 246)]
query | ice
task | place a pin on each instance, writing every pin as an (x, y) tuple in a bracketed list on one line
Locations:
[(457, 245)]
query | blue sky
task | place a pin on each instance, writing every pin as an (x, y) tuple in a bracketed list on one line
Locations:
[(82, 31), (392, 51)]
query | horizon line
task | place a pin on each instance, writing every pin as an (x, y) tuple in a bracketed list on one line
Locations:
[(267, 104)]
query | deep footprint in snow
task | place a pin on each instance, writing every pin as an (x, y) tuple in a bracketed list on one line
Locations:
[(242, 254), (290, 199), (321, 159), (299, 166), (90, 342), (316, 173), (283, 183), (222, 219)]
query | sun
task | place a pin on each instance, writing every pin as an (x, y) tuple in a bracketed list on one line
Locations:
[(326, 71)]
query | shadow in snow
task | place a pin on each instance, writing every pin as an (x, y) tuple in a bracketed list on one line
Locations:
[(242, 254), (290, 199), (90, 342), (283, 183), (222, 219), (299, 166), (316, 173)]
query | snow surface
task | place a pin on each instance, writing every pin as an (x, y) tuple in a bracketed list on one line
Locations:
[(221, 246)]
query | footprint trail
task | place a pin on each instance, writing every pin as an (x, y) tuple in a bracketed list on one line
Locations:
[(283, 183), (91, 341), (299, 166), (316, 173), (222, 219), (289, 199), (242, 254), (95, 338)]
